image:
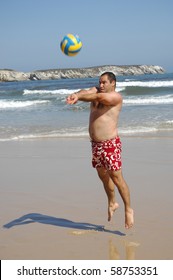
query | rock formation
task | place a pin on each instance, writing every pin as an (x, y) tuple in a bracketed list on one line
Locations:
[(8, 75)]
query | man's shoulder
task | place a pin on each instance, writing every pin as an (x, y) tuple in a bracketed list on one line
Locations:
[(118, 95), (92, 90)]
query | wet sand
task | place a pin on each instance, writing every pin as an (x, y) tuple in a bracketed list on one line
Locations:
[(53, 206)]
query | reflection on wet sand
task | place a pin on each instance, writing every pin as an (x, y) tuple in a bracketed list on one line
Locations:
[(129, 247)]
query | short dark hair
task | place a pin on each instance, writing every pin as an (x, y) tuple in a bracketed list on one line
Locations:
[(111, 76)]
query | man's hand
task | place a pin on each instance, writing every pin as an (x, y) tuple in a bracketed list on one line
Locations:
[(72, 99), (88, 95)]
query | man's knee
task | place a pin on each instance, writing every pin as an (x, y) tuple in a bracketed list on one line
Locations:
[(116, 177), (102, 173)]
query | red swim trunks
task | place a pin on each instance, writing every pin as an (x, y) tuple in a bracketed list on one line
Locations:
[(107, 154)]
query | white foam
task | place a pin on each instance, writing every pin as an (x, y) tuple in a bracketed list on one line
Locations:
[(152, 100), (137, 130), (53, 91), (57, 91), (118, 88), (153, 84), (47, 135), (6, 104)]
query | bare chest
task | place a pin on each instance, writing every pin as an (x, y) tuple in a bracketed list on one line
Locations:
[(99, 108)]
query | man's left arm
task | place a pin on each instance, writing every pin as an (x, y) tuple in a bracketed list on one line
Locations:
[(108, 99), (88, 95)]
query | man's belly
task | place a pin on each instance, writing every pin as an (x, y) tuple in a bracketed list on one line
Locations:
[(102, 131)]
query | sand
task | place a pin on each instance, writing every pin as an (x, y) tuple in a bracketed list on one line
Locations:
[(53, 206)]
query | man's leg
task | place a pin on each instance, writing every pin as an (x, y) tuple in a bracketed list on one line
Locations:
[(123, 189), (109, 189)]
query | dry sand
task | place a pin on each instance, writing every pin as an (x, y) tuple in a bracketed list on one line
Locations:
[(53, 206)]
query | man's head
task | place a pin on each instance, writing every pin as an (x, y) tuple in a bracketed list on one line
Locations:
[(107, 82)]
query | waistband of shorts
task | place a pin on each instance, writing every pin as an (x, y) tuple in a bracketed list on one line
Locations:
[(105, 141)]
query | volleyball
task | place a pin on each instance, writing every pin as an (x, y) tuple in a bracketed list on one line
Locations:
[(71, 45)]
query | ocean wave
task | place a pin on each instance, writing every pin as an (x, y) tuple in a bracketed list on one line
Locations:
[(56, 91), (62, 133), (168, 125), (152, 100), (6, 104), (135, 87), (136, 130), (170, 122), (151, 84), (50, 91)]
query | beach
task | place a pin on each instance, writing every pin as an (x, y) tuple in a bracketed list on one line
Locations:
[(53, 205)]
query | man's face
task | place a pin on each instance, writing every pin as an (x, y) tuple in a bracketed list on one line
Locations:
[(105, 85)]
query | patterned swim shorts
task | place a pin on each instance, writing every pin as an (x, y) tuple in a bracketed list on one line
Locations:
[(107, 154)]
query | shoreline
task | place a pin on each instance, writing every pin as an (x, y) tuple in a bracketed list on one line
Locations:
[(165, 134), (54, 207)]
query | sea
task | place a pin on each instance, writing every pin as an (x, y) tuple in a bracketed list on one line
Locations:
[(38, 109)]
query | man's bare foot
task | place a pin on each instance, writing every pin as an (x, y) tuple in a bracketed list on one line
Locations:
[(129, 218), (111, 210)]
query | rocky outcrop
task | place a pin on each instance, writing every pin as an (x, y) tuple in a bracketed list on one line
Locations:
[(11, 76), (90, 72)]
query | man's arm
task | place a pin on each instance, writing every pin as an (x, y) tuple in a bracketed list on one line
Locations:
[(109, 99), (73, 98)]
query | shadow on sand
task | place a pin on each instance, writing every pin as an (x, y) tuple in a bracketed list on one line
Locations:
[(59, 222)]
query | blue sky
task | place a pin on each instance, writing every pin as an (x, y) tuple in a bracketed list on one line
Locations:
[(113, 32)]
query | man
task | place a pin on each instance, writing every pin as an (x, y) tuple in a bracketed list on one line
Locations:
[(105, 107)]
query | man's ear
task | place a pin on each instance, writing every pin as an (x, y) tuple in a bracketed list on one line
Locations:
[(113, 83)]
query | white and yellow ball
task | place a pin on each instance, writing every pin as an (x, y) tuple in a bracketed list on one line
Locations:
[(71, 45)]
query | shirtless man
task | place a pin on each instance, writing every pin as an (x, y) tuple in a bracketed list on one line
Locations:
[(105, 107)]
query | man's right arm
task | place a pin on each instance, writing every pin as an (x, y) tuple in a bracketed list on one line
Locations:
[(73, 98)]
